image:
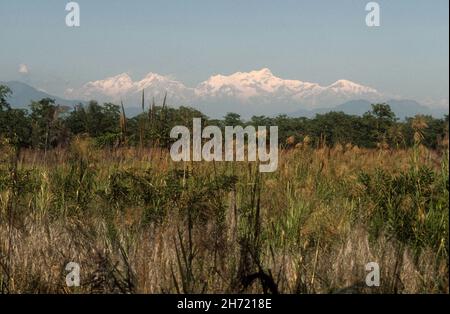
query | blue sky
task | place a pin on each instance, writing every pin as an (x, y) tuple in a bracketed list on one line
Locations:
[(318, 41)]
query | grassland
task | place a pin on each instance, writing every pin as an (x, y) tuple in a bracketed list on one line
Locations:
[(137, 222)]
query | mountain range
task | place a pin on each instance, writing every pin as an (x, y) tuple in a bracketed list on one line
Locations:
[(247, 93)]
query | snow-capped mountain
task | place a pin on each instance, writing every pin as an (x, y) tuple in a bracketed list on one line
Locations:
[(265, 88), (258, 92), (23, 94), (245, 85), (122, 87)]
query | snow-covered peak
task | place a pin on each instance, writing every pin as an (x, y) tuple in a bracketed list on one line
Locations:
[(351, 87), (264, 73), (243, 88), (119, 81), (113, 86), (245, 85), (154, 76), (122, 86), (152, 80)]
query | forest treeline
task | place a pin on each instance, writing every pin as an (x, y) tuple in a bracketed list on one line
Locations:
[(47, 125)]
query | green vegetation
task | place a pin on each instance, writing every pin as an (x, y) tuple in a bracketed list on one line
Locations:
[(47, 125), (94, 187)]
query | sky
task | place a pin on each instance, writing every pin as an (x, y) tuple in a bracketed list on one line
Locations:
[(317, 41)]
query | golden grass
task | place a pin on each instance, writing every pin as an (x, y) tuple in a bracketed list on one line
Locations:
[(295, 225)]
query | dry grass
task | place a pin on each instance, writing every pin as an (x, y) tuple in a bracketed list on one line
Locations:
[(138, 223)]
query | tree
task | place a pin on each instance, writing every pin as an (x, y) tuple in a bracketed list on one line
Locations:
[(94, 119), (4, 106), (47, 127), (232, 119), (77, 121), (14, 123), (5, 92), (381, 118)]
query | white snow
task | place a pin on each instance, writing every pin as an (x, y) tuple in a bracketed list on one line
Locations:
[(243, 87)]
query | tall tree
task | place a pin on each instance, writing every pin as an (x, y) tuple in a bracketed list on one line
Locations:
[(47, 127), (5, 92)]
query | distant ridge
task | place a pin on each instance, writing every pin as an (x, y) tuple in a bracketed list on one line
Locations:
[(23, 94), (257, 92), (402, 108)]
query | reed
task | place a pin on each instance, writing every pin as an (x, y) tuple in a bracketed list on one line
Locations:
[(140, 223)]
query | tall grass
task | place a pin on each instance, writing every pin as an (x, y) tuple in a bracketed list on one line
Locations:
[(137, 222)]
